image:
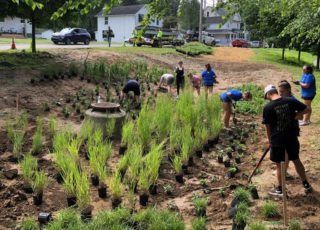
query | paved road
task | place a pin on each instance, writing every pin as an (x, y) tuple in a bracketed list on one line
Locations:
[(53, 46)]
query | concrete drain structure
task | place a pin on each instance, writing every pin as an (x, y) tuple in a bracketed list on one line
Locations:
[(101, 113)]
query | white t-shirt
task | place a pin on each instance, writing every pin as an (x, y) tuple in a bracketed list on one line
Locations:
[(167, 78)]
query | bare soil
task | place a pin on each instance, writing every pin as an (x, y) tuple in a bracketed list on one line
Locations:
[(233, 67)]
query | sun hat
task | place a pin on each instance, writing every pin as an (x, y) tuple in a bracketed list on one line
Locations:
[(268, 89)]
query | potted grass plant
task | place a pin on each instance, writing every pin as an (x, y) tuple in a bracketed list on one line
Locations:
[(29, 165), (126, 136), (200, 204), (37, 142), (110, 126), (177, 165), (83, 196), (102, 174), (144, 184), (144, 126), (204, 139), (116, 190), (70, 184), (39, 183), (254, 192), (240, 220)]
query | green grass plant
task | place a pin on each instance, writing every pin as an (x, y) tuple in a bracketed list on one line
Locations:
[(269, 209), (177, 164), (194, 49), (52, 125), (144, 126), (39, 182), (127, 133), (29, 224), (116, 187), (28, 166), (144, 179), (257, 226), (37, 141), (294, 225), (199, 224), (242, 217), (66, 219), (242, 195), (200, 203), (83, 191), (110, 127)]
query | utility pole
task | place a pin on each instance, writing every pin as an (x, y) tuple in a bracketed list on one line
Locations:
[(200, 21)]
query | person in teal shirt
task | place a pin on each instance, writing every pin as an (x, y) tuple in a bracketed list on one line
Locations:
[(231, 97)]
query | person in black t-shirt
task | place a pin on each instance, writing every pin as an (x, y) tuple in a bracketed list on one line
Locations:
[(279, 117), (131, 86), (179, 76)]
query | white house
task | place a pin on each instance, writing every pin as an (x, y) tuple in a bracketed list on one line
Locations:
[(123, 20), (14, 25), (224, 33)]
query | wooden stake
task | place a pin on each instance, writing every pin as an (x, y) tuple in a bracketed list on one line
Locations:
[(284, 192)]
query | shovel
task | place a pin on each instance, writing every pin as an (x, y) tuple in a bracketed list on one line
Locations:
[(259, 163)]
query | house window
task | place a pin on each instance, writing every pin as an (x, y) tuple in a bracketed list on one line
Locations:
[(22, 21), (140, 17), (157, 22), (106, 20), (208, 13)]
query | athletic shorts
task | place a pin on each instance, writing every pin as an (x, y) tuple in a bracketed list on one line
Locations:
[(308, 98), (134, 88), (292, 147)]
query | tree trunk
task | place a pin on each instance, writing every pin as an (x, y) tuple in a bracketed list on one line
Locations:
[(283, 50), (33, 43), (200, 21), (318, 57), (299, 55)]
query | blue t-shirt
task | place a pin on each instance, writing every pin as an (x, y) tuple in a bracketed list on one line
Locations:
[(308, 79), (208, 77), (236, 95)]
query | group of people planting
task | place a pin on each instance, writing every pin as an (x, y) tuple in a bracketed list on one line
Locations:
[(282, 116)]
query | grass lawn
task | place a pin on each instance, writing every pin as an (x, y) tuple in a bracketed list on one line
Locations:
[(273, 56), (24, 41), (136, 50)]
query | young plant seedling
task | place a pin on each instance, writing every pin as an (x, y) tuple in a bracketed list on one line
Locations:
[(269, 209), (200, 204), (168, 189)]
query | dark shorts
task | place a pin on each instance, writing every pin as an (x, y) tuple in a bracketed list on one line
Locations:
[(308, 98), (292, 147), (133, 88), (208, 85)]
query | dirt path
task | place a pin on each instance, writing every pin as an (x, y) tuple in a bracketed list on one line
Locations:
[(230, 54)]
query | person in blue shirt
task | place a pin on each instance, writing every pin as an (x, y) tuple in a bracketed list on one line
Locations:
[(208, 79), (229, 97), (308, 92)]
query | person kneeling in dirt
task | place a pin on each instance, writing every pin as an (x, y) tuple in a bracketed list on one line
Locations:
[(167, 79), (279, 117), (195, 82), (131, 86), (230, 98)]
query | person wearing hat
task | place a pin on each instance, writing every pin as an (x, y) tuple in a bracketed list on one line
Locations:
[(167, 79), (231, 97), (279, 117)]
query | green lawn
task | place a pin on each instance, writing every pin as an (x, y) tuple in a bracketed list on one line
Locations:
[(24, 41), (273, 56), (136, 50)]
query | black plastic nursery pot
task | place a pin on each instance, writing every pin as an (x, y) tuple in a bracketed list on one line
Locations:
[(72, 201), (185, 169), (254, 193), (179, 178), (37, 198), (201, 212), (236, 226), (44, 217), (220, 159), (206, 148), (59, 178), (231, 174), (13, 159), (122, 150), (153, 189), (143, 199), (199, 153), (229, 154), (94, 180), (102, 191), (227, 164), (86, 214), (238, 160), (115, 203), (26, 187), (190, 161)]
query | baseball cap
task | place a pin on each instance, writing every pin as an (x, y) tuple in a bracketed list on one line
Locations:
[(268, 89)]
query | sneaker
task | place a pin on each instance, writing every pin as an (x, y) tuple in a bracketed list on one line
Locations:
[(304, 123), (276, 191), (307, 189)]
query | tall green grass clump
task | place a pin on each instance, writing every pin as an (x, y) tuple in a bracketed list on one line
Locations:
[(199, 224), (269, 209), (38, 138), (242, 195), (144, 126), (29, 224), (66, 219), (29, 165), (258, 226)]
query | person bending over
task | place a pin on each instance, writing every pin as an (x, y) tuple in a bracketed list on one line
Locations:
[(195, 82), (231, 97), (279, 116), (131, 86), (167, 79)]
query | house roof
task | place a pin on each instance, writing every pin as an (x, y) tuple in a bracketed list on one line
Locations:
[(122, 10), (213, 20)]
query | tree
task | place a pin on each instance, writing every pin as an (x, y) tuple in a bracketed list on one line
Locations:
[(190, 13)]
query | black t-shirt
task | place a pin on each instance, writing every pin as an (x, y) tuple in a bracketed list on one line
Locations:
[(280, 116)]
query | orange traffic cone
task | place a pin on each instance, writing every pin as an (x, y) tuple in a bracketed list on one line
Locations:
[(13, 45)]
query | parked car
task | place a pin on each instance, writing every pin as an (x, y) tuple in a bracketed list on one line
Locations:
[(208, 38), (240, 43), (256, 44), (71, 35)]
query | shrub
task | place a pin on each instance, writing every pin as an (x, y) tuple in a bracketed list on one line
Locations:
[(269, 209), (29, 224), (194, 49), (242, 195), (258, 226), (294, 225), (199, 224)]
